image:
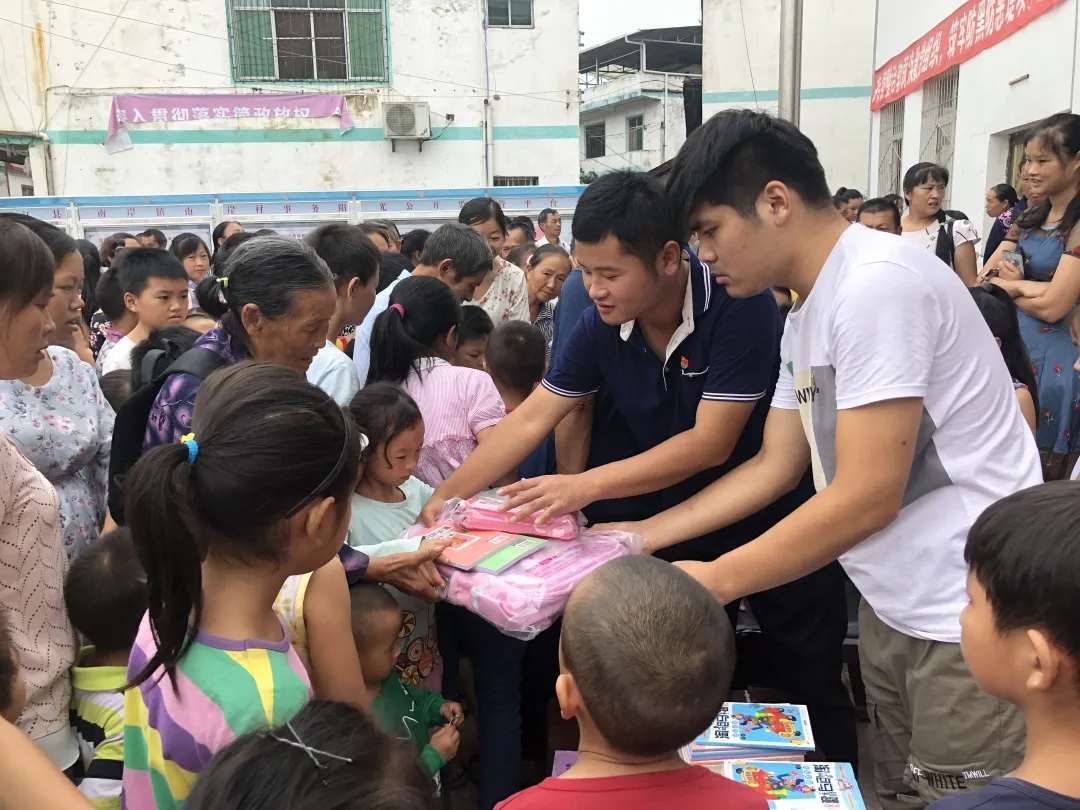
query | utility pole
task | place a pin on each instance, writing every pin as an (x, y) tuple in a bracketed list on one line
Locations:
[(791, 28)]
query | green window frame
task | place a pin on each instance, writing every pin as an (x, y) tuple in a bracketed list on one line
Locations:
[(323, 41)]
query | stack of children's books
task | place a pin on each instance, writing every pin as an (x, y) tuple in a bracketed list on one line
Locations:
[(753, 731), (488, 552), (799, 785)]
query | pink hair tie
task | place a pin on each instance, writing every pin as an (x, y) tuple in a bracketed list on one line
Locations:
[(399, 309)]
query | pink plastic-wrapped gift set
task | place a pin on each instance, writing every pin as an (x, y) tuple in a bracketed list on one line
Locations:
[(485, 513), (527, 597)]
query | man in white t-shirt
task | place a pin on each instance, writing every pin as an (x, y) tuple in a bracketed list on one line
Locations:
[(454, 253), (892, 389), (550, 222)]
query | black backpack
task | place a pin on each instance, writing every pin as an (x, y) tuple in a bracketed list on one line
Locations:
[(946, 247), (129, 430)]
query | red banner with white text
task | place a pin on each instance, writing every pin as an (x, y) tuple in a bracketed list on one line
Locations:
[(971, 29)]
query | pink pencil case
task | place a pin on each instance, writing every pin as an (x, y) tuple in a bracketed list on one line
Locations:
[(484, 513)]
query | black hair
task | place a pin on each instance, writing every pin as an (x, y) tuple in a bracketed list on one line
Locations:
[(221, 255), (923, 173), (374, 226), (896, 200), (59, 243), (269, 443), (414, 242), (267, 271), (1059, 134), (105, 592), (400, 340), (91, 276), (28, 265), (651, 651), (518, 252), (110, 296), (1024, 551), (111, 244), (157, 235), (116, 387), (544, 251), (516, 354), (999, 312), (1005, 193), (9, 664), (390, 226), (730, 159), (382, 412), (137, 266), (845, 195), (347, 251), (186, 244), (879, 205), (629, 206), (475, 324), (525, 224), (466, 249), (543, 217), (172, 340), (479, 210), (392, 264), (367, 769), (367, 599), (219, 232)]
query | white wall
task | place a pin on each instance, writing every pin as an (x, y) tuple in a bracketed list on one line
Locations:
[(12, 178), (741, 69), (989, 109), (622, 98), (53, 84)]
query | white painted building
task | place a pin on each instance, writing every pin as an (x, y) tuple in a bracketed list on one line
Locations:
[(1015, 64), (499, 78), (632, 114), (741, 69)]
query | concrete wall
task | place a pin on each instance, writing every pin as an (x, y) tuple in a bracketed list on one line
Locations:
[(634, 94), (741, 69), (55, 79), (12, 179), (989, 109)]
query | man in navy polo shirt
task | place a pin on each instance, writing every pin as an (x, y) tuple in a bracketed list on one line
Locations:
[(690, 372)]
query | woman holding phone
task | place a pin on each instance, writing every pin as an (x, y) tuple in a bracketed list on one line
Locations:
[(1038, 265)]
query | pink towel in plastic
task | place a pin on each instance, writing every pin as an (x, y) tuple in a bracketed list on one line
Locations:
[(526, 598), (484, 513)]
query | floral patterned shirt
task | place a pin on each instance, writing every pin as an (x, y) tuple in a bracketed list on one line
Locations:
[(170, 418), (99, 331), (64, 428), (545, 322), (507, 299)]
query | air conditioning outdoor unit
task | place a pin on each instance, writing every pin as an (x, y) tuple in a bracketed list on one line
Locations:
[(406, 120)]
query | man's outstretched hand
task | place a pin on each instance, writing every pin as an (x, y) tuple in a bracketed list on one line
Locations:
[(413, 572)]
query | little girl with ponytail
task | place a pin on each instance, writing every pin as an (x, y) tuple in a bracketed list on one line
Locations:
[(259, 492), (412, 345)]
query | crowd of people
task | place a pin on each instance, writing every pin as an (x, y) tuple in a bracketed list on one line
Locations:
[(212, 455)]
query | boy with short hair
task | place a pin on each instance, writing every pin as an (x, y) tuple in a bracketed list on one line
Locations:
[(353, 260), (406, 712), (119, 319), (516, 361), (106, 597), (473, 334), (1021, 641), (155, 287), (646, 659)]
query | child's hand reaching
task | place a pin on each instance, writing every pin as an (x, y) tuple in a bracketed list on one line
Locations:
[(452, 713), (446, 741)]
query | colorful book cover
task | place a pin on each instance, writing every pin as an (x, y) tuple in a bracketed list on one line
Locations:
[(759, 725), (563, 761), (508, 555), (800, 785), (466, 549)]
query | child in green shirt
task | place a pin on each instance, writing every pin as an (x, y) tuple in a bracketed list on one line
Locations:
[(406, 712)]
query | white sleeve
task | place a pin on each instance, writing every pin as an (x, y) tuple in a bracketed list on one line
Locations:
[(338, 378), (362, 339), (964, 231), (885, 329), (784, 395)]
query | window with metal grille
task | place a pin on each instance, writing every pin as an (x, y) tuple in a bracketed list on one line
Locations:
[(308, 40), (516, 180), (510, 13), (635, 133), (891, 146), (939, 120), (595, 137)]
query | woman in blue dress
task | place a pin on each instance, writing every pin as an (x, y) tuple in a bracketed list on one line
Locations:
[(1047, 287)]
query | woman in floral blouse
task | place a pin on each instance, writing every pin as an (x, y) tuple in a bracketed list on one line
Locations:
[(503, 294)]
